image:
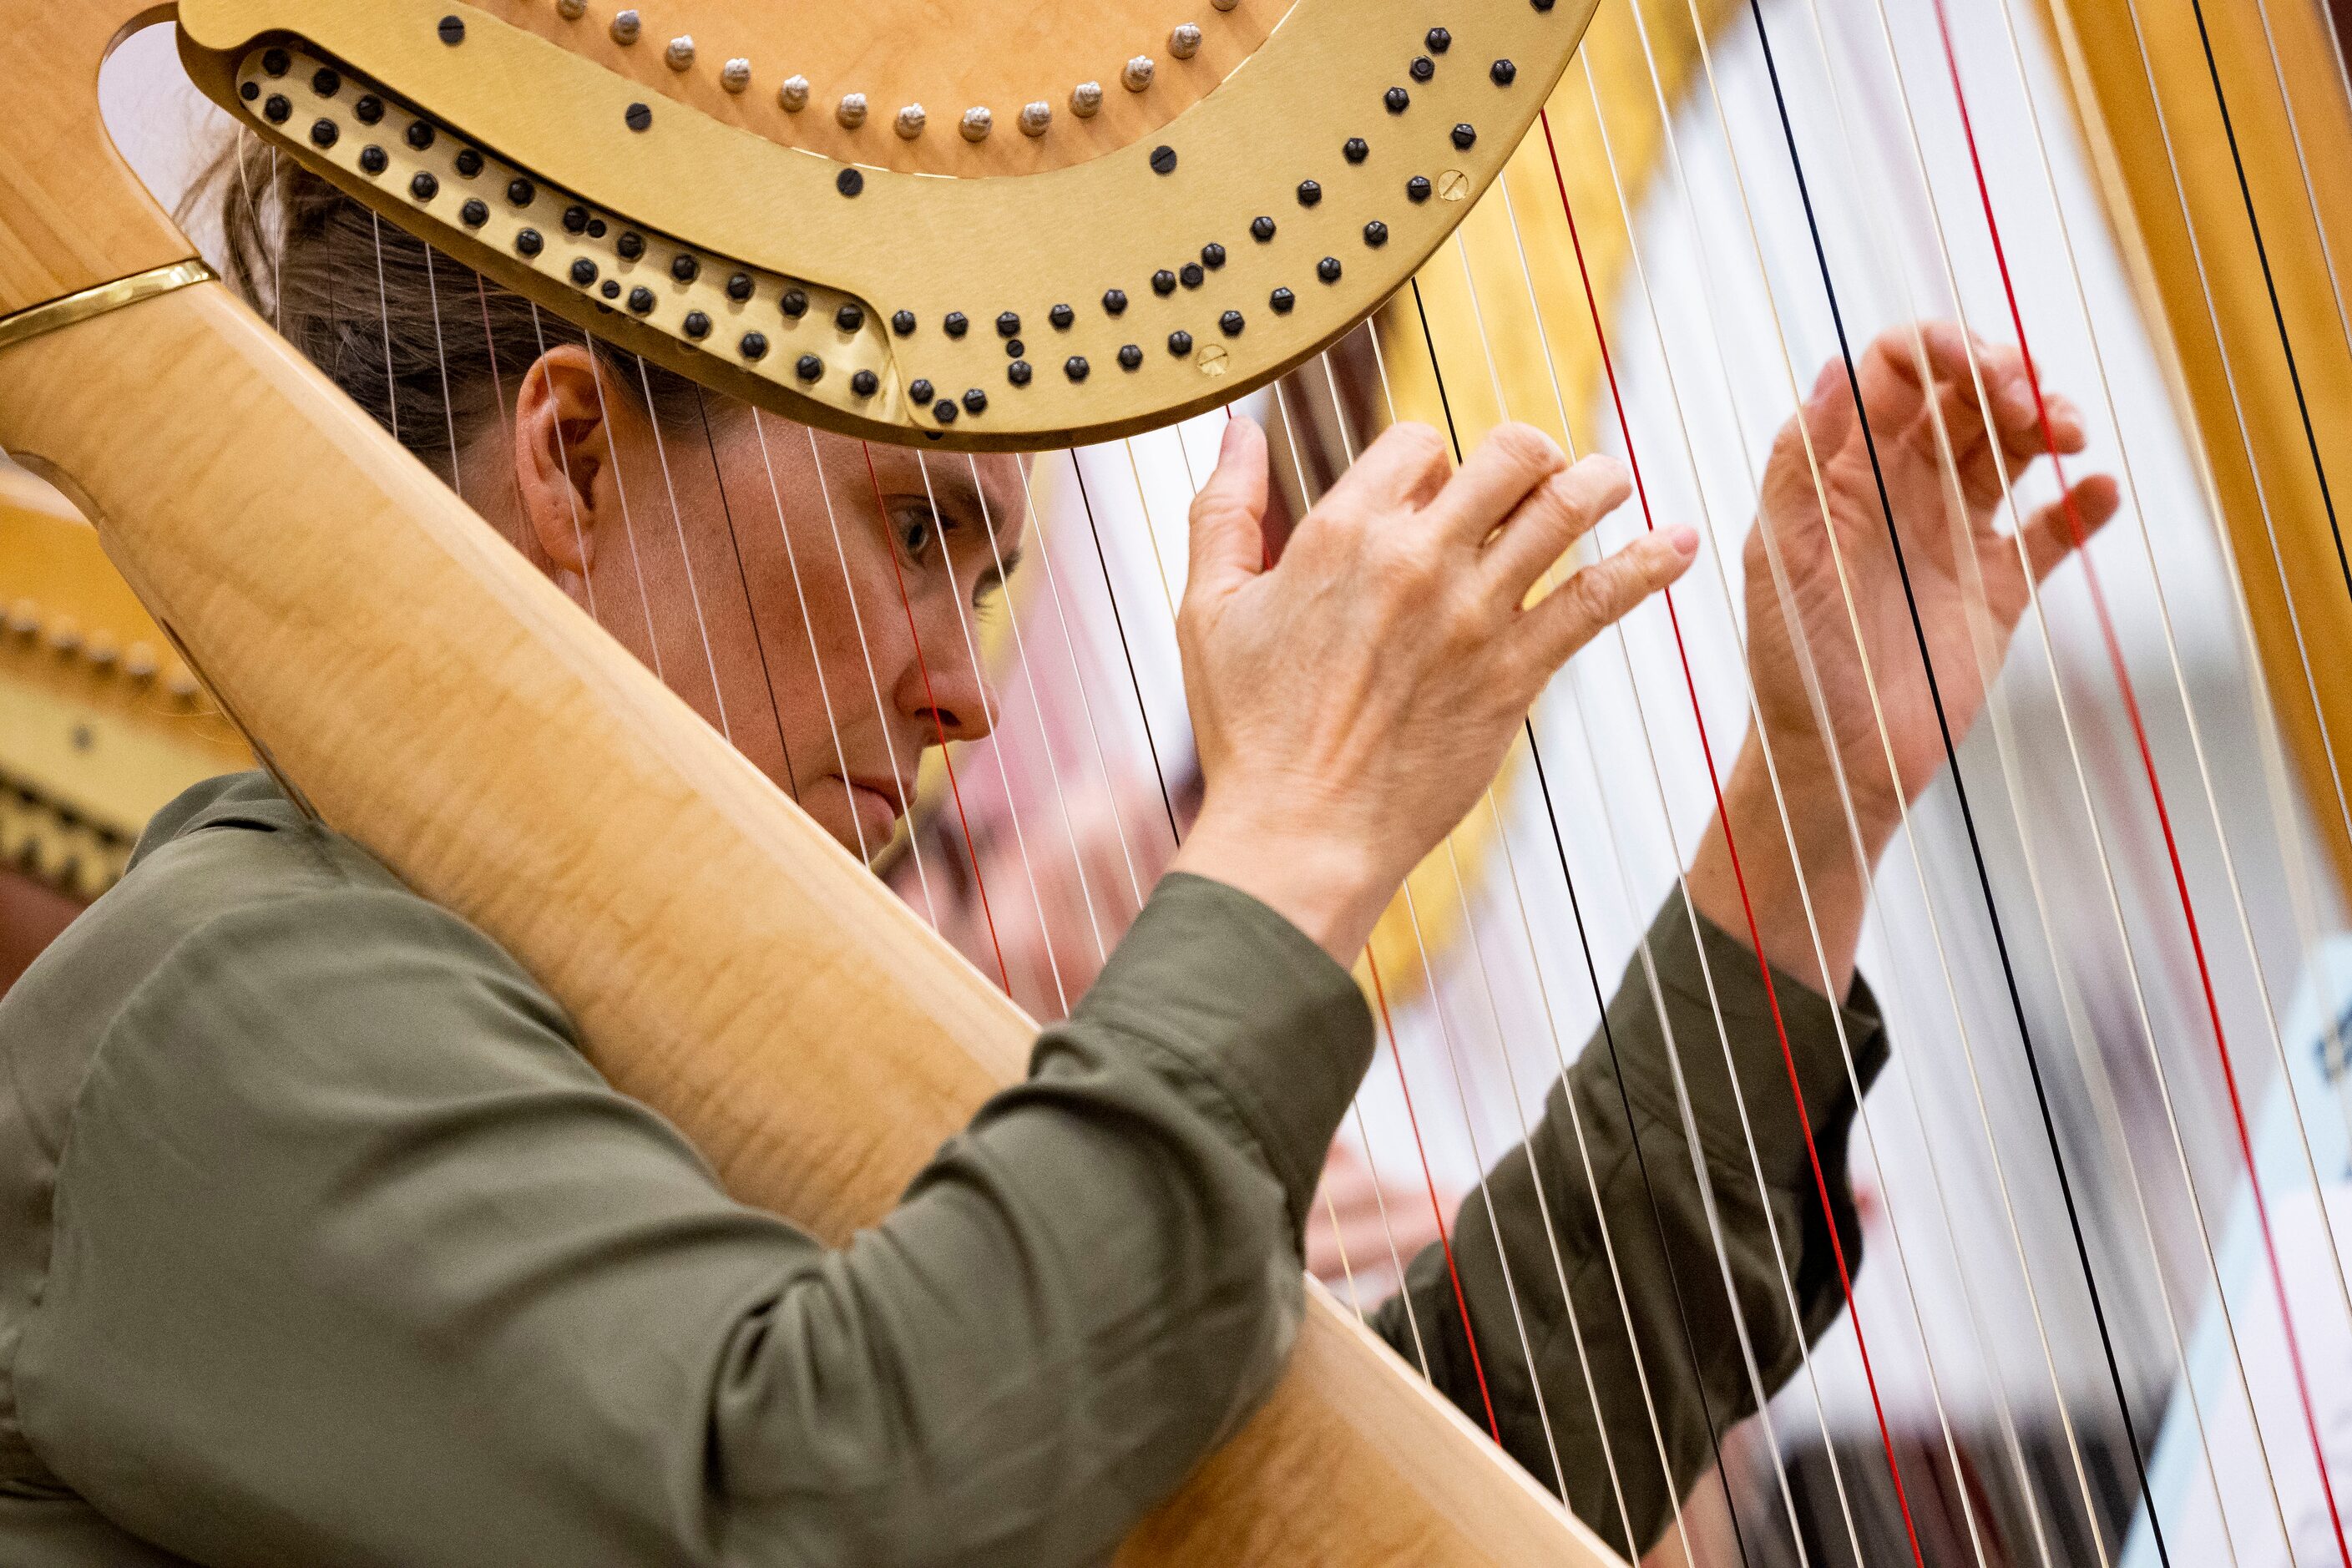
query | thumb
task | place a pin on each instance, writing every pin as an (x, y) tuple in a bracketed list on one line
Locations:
[(1229, 514)]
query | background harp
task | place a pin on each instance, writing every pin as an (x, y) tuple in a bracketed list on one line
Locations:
[(2217, 138)]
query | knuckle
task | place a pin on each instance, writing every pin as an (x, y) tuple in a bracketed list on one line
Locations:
[(1418, 443), (1527, 446)]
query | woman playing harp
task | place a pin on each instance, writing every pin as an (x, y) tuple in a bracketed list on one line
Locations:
[(323, 1241)]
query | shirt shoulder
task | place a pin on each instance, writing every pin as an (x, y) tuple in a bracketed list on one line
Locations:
[(240, 919)]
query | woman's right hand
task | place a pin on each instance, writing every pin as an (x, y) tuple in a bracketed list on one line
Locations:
[(1352, 702)]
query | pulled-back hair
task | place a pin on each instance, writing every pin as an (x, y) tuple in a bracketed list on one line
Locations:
[(427, 345)]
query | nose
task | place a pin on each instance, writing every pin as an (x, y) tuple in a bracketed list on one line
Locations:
[(942, 688)]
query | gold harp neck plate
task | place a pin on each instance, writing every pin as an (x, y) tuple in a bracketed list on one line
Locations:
[(1142, 285)]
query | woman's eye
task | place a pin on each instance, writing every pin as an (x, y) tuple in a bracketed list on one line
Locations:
[(915, 531)]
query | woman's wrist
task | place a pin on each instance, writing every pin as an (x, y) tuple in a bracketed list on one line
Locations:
[(1324, 882)]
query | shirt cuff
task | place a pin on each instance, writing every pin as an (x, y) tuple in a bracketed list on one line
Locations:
[(1809, 1022), (1252, 1007)]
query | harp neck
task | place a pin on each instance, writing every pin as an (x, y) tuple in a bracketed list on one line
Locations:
[(72, 214)]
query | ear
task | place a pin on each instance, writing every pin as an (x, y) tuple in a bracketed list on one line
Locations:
[(563, 453)]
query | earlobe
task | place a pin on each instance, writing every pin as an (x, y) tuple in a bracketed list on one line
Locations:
[(560, 449)]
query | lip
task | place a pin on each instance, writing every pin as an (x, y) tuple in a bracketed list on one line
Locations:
[(884, 788)]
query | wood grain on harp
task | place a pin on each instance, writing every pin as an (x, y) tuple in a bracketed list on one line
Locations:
[(1183, 204)]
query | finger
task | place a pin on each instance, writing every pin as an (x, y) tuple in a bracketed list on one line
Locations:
[(1555, 514), (2066, 432), (1826, 420), (1228, 544), (1508, 465), (2058, 530), (1579, 609), (1406, 464)]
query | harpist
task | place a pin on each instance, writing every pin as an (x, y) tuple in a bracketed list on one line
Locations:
[(321, 1243)]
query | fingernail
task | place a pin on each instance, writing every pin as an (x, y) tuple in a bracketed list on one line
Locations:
[(1684, 539)]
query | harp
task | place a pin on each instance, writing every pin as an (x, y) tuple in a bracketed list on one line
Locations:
[(723, 950)]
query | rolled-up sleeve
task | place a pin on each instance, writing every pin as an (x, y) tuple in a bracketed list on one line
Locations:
[(357, 1260), (1611, 1165)]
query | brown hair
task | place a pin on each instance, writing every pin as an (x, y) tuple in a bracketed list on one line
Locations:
[(426, 345)]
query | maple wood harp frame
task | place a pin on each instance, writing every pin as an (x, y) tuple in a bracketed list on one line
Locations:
[(724, 961)]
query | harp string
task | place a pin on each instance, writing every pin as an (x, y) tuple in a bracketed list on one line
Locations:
[(1749, 1364), (1984, 881), (2261, 1206), (2285, 338), (742, 582), (2006, 746), (441, 362), (1755, 936), (1445, 1037), (1077, 680), (2254, 1187), (685, 552), (1600, 999), (1810, 682), (1159, 773), (1037, 707), (800, 596), (939, 719), (2095, 1067), (564, 457), (621, 493), (989, 709), (1907, 833), (903, 779), (2290, 858)]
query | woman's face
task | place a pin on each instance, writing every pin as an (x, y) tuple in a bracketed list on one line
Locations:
[(818, 598)]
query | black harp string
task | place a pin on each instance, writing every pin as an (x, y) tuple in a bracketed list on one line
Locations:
[(1967, 815), (1037, 712), (1682, 1311), (1077, 678), (744, 582), (1527, 930), (685, 550), (2096, 1070), (2271, 289), (1445, 1037), (808, 627), (995, 738), (1159, 773), (1810, 681), (903, 781), (1959, 1016)]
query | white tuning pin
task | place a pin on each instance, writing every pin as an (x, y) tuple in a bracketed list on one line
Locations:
[(794, 93), (1184, 42), (735, 75), (977, 124), (627, 25), (680, 53), (1137, 74), (571, 10), (1035, 118), (1085, 98), (852, 112), (910, 122)]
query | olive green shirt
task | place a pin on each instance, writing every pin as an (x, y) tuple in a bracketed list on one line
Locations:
[(321, 1242)]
